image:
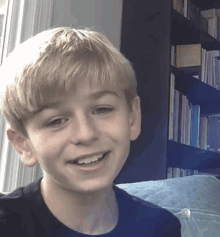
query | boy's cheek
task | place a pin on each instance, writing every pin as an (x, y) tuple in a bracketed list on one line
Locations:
[(42, 143)]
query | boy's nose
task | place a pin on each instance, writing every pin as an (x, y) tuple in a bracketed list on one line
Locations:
[(84, 131)]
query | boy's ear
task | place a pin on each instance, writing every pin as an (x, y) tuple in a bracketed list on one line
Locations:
[(135, 120), (23, 147)]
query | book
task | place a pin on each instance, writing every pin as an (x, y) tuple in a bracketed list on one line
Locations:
[(183, 115), (193, 13), (184, 121), (211, 15), (218, 128), (195, 126), (173, 57), (217, 11), (214, 67), (203, 133), (169, 172), (171, 109), (203, 24), (203, 65), (181, 173), (175, 5), (176, 172), (188, 172), (206, 67), (188, 55), (208, 133), (189, 113), (176, 115), (218, 71), (185, 8), (213, 133), (196, 172), (180, 117)]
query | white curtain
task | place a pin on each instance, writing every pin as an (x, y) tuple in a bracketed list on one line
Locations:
[(25, 18)]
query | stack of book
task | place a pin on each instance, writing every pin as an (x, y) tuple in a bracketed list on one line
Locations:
[(186, 126), (213, 18), (192, 12), (185, 123), (185, 56)]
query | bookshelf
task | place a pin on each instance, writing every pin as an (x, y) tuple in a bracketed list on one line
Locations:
[(149, 30), (180, 154)]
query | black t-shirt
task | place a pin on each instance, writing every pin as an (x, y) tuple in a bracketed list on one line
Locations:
[(24, 213)]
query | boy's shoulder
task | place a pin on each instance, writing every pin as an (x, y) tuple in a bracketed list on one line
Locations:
[(15, 212)]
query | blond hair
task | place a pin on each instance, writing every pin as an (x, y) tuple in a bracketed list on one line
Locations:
[(48, 66)]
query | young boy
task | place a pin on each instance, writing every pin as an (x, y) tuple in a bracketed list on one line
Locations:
[(72, 107)]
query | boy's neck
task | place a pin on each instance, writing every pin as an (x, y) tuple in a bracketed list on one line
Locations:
[(93, 214)]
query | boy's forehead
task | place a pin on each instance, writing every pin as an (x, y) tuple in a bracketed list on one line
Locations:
[(94, 94)]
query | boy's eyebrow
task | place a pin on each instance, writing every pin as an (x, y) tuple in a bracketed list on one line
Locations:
[(99, 94), (95, 95)]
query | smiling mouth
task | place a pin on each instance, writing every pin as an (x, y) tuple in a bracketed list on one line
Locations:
[(90, 163)]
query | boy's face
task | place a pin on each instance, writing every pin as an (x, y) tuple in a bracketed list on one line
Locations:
[(79, 126)]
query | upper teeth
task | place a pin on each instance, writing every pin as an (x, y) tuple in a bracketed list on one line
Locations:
[(90, 159)]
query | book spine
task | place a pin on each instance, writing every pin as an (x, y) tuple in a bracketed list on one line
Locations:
[(211, 134), (203, 133), (196, 172), (204, 24), (181, 172), (208, 70), (211, 27), (169, 172), (189, 11), (180, 117), (188, 172), (187, 123), (176, 172), (173, 56), (190, 124), (217, 74), (218, 129), (218, 65), (218, 30), (171, 112), (215, 134), (196, 12), (203, 61), (175, 5), (206, 67), (182, 7), (195, 127), (208, 133), (185, 8), (176, 115), (183, 120)]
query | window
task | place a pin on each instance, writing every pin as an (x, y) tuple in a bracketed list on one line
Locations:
[(19, 20)]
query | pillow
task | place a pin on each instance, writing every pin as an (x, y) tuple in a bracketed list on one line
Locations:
[(195, 200)]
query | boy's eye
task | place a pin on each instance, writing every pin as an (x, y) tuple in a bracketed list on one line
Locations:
[(59, 121), (55, 122), (104, 109)]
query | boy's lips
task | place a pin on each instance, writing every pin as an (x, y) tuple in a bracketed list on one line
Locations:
[(87, 156)]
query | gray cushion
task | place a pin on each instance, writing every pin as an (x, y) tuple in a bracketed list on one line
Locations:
[(195, 200)]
